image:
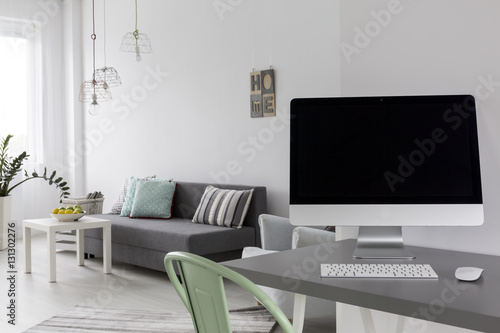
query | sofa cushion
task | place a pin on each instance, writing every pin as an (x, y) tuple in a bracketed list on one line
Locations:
[(223, 207), (117, 206), (153, 199), (175, 235), (129, 198)]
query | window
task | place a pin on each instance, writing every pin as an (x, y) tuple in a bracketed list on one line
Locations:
[(14, 93)]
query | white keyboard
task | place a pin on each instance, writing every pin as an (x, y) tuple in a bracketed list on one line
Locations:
[(393, 271)]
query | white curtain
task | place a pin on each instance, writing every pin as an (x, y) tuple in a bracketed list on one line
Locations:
[(51, 124)]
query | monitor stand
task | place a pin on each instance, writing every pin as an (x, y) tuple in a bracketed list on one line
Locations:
[(381, 243)]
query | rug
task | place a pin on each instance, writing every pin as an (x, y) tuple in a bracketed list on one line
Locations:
[(102, 320)]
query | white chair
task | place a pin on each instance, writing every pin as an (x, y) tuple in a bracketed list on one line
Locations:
[(278, 234)]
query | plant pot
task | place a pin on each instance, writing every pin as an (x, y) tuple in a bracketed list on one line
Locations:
[(5, 216)]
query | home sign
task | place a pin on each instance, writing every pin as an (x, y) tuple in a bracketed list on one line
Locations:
[(262, 97)]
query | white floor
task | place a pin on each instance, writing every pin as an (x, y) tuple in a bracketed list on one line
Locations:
[(127, 287)]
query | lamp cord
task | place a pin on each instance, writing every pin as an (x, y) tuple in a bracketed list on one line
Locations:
[(93, 36), (104, 21), (136, 32)]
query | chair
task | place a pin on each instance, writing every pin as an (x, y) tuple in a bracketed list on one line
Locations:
[(201, 289), (278, 234)]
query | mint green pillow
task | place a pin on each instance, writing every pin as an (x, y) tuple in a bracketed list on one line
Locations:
[(153, 199), (130, 194), (129, 197)]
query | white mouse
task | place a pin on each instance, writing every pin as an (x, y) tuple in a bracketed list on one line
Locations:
[(468, 273)]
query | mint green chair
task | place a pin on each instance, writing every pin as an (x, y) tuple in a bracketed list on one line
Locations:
[(202, 291)]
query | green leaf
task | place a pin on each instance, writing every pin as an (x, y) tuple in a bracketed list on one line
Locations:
[(11, 166)]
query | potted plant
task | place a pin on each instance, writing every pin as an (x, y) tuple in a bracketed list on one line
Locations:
[(9, 168)]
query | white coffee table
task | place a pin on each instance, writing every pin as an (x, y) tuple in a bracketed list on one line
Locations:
[(51, 226)]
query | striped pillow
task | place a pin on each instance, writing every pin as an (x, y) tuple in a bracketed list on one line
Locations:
[(225, 208)]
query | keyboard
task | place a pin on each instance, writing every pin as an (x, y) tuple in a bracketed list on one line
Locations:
[(393, 271)]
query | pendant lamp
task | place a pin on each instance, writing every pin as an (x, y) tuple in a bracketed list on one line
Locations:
[(108, 75), (94, 90), (136, 42)]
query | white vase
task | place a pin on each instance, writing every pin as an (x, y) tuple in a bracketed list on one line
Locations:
[(5, 216)]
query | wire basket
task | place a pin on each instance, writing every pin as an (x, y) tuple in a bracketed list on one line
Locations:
[(90, 206), (131, 43), (90, 88), (108, 75)]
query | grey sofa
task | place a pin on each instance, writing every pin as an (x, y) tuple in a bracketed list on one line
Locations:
[(144, 242)]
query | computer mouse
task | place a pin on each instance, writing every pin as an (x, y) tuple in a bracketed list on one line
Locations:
[(468, 273)]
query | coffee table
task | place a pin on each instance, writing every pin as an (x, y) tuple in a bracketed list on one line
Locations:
[(51, 226)]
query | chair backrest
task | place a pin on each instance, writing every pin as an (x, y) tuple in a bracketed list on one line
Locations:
[(202, 292)]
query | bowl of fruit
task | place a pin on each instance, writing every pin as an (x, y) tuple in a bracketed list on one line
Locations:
[(68, 214)]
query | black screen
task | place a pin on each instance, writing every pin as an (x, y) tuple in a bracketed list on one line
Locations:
[(384, 150)]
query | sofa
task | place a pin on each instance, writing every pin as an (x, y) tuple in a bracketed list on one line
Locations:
[(144, 242)]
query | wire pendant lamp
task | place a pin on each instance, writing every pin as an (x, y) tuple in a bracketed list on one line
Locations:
[(136, 42), (94, 90), (108, 75)]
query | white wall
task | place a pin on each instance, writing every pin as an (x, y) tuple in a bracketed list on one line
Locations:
[(431, 47), (193, 119), (434, 47)]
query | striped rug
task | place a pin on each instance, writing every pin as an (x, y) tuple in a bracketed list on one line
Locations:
[(102, 320)]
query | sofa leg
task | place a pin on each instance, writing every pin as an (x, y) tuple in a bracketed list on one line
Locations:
[(88, 255)]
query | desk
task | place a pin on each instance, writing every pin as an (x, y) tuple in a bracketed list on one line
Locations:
[(472, 305), (51, 226)]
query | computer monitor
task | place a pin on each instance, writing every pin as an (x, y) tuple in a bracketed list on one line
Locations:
[(381, 163)]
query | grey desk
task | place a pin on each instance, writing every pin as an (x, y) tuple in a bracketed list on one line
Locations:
[(472, 305)]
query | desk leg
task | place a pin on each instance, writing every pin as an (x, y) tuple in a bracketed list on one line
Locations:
[(366, 316), (299, 312), (79, 247), (400, 326), (106, 246), (51, 253), (27, 249)]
